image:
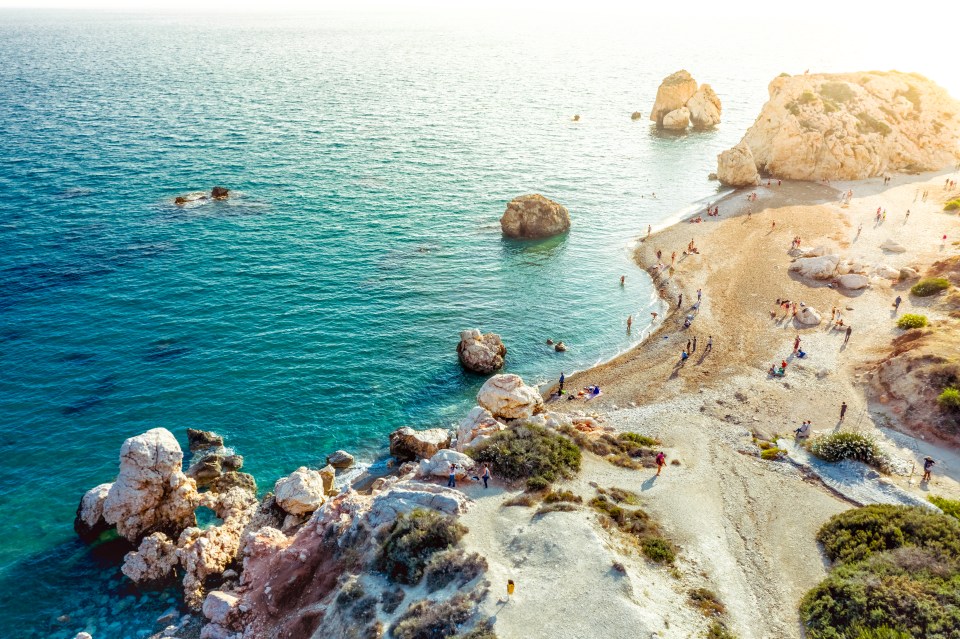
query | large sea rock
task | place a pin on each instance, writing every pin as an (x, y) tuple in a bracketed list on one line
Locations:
[(534, 217), (151, 492), (673, 93), (851, 126), (704, 107), (481, 353), (507, 397), (677, 120), (736, 166)]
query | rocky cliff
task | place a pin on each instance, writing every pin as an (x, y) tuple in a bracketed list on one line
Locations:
[(849, 126)]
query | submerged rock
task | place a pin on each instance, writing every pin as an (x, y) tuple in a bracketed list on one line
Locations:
[(480, 353), (198, 440), (407, 444), (534, 217), (219, 193), (340, 459), (507, 397)]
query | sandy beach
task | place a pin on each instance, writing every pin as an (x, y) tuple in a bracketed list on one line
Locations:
[(746, 527)]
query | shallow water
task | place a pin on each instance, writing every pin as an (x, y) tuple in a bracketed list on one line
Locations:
[(319, 307)]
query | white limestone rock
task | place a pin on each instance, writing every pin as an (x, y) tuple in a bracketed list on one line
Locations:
[(300, 492), (673, 93), (483, 354), (704, 106), (736, 167), (818, 268), (439, 464), (677, 120), (854, 281), (477, 426), (507, 397), (407, 444)]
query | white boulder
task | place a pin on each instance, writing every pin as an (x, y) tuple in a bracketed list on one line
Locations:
[(677, 120), (439, 464), (300, 492), (219, 605), (507, 397), (736, 167), (481, 353), (704, 106), (808, 316), (854, 281), (477, 426), (407, 444), (674, 92), (818, 268), (893, 247)]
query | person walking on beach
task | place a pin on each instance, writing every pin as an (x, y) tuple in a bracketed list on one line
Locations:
[(688, 346), (562, 380), (694, 344), (683, 357), (649, 230), (896, 304), (906, 217), (485, 475), (847, 338), (709, 345), (452, 479), (699, 294), (662, 461), (796, 344), (927, 468), (679, 300), (673, 258), (843, 410)]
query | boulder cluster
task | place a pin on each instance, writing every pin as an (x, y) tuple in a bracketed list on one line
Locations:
[(216, 193), (819, 263), (680, 103), (846, 126)]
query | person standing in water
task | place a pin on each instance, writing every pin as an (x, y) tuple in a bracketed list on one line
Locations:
[(622, 278), (629, 322)]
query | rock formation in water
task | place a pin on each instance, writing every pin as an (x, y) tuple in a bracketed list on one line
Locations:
[(507, 397), (481, 353), (679, 102), (219, 193), (534, 217), (850, 126)]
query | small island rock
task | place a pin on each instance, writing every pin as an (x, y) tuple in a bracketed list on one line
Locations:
[(672, 94), (219, 193), (479, 353), (534, 217)]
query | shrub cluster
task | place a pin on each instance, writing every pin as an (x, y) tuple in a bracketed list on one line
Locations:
[(719, 631), (896, 574), (855, 446), (433, 619), (949, 399), (529, 452), (707, 602), (627, 450), (837, 91), (453, 566), (638, 524), (911, 320), (948, 506), (413, 539), (952, 205), (930, 286)]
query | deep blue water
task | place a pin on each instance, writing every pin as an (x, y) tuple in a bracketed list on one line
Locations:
[(319, 307)]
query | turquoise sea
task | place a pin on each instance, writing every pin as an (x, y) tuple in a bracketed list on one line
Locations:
[(370, 158)]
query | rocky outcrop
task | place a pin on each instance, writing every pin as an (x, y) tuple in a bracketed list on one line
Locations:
[(407, 444), (151, 493), (481, 353), (534, 217), (851, 126), (328, 475), (439, 464), (736, 166), (507, 397), (823, 267), (340, 459), (154, 560), (672, 94), (677, 120), (476, 427), (89, 522), (219, 193), (198, 440), (704, 107), (301, 492), (808, 316)]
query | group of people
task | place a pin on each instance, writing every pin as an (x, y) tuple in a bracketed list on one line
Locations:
[(949, 184), (795, 244)]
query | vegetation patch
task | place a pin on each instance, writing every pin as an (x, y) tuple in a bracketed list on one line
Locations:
[(637, 524), (807, 97), (412, 540), (620, 495), (952, 205), (483, 630), (453, 566), (912, 95), (911, 320), (930, 286), (896, 572), (866, 123), (390, 600), (949, 399), (707, 602), (523, 499), (559, 507), (434, 619), (837, 91), (627, 450), (529, 452), (773, 454), (556, 496), (948, 506), (719, 631), (855, 446)]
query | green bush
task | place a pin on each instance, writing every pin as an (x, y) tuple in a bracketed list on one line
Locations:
[(523, 499), (453, 566), (413, 539), (952, 205), (484, 630), (771, 454), (563, 495), (837, 91), (658, 549), (706, 601), (627, 450), (558, 507), (856, 446), (930, 286), (390, 600), (433, 619), (949, 399), (807, 97), (896, 574), (911, 320), (538, 483), (639, 440), (525, 452), (948, 506), (719, 631)]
